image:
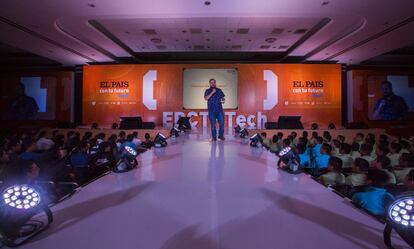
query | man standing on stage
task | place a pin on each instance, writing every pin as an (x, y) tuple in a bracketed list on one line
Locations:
[(215, 99)]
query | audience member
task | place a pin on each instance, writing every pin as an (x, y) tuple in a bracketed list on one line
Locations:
[(334, 177), (358, 175), (322, 161), (375, 198)]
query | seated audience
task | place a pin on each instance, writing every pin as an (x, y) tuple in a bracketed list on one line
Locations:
[(409, 181), (29, 151), (383, 163), (121, 139), (327, 137), (405, 146), (394, 154), (382, 150), (136, 140), (359, 138), (334, 177), (341, 138), (358, 175), (275, 144), (314, 137), (303, 154), (374, 198), (345, 156), (294, 136), (266, 141), (355, 150), (316, 150), (114, 126), (406, 164), (148, 143), (322, 161), (365, 151), (44, 143), (336, 147)]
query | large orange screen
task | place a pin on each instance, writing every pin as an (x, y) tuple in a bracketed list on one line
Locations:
[(155, 91)]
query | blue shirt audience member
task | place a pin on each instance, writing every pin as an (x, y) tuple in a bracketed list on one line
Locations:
[(322, 161), (304, 157), (316, 150), (375, 198)]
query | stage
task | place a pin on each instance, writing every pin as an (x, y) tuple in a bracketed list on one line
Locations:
[(201, 195)]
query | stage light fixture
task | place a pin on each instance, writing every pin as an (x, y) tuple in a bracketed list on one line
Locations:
[(237, 129), (184, 124), (244, 133), (19, 203), (127, 161), (288, 160), (160, 141), (175, 132), (400, 217), (21, 197), (256, 140)]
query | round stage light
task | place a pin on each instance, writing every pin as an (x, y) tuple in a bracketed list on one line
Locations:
[(400, 217), (284, 151), (401, 211), (15, 198), (131, 151)]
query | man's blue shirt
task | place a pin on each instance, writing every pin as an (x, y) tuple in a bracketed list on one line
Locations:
[(305, 160), (316, 150), (322, 161), (374, 200), (214, 102)]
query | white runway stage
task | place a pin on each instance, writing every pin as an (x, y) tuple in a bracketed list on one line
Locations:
[(195, 194)]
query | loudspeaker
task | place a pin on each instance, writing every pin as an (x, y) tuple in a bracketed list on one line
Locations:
[(271, 125), (130, 123), (148, 125), (290, 122)]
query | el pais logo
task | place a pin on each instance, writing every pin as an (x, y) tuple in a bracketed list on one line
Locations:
[(114, 87), (313, 87)]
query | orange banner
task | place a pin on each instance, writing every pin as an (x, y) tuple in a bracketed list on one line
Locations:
[(155, 92)]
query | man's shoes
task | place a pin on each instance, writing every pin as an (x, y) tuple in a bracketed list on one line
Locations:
[(213, 139), (222, 138)]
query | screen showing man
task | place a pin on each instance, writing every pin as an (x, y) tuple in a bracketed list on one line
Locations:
[(215, 98), (23, 106), (390, 106)]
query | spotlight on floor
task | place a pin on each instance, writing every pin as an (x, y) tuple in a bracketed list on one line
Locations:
[(160, 141), (244, 133), (256, 140), (288, 160), (184, 124), (18, 205), (237, 129), (175, 132), (128, 160), (400, 217)]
